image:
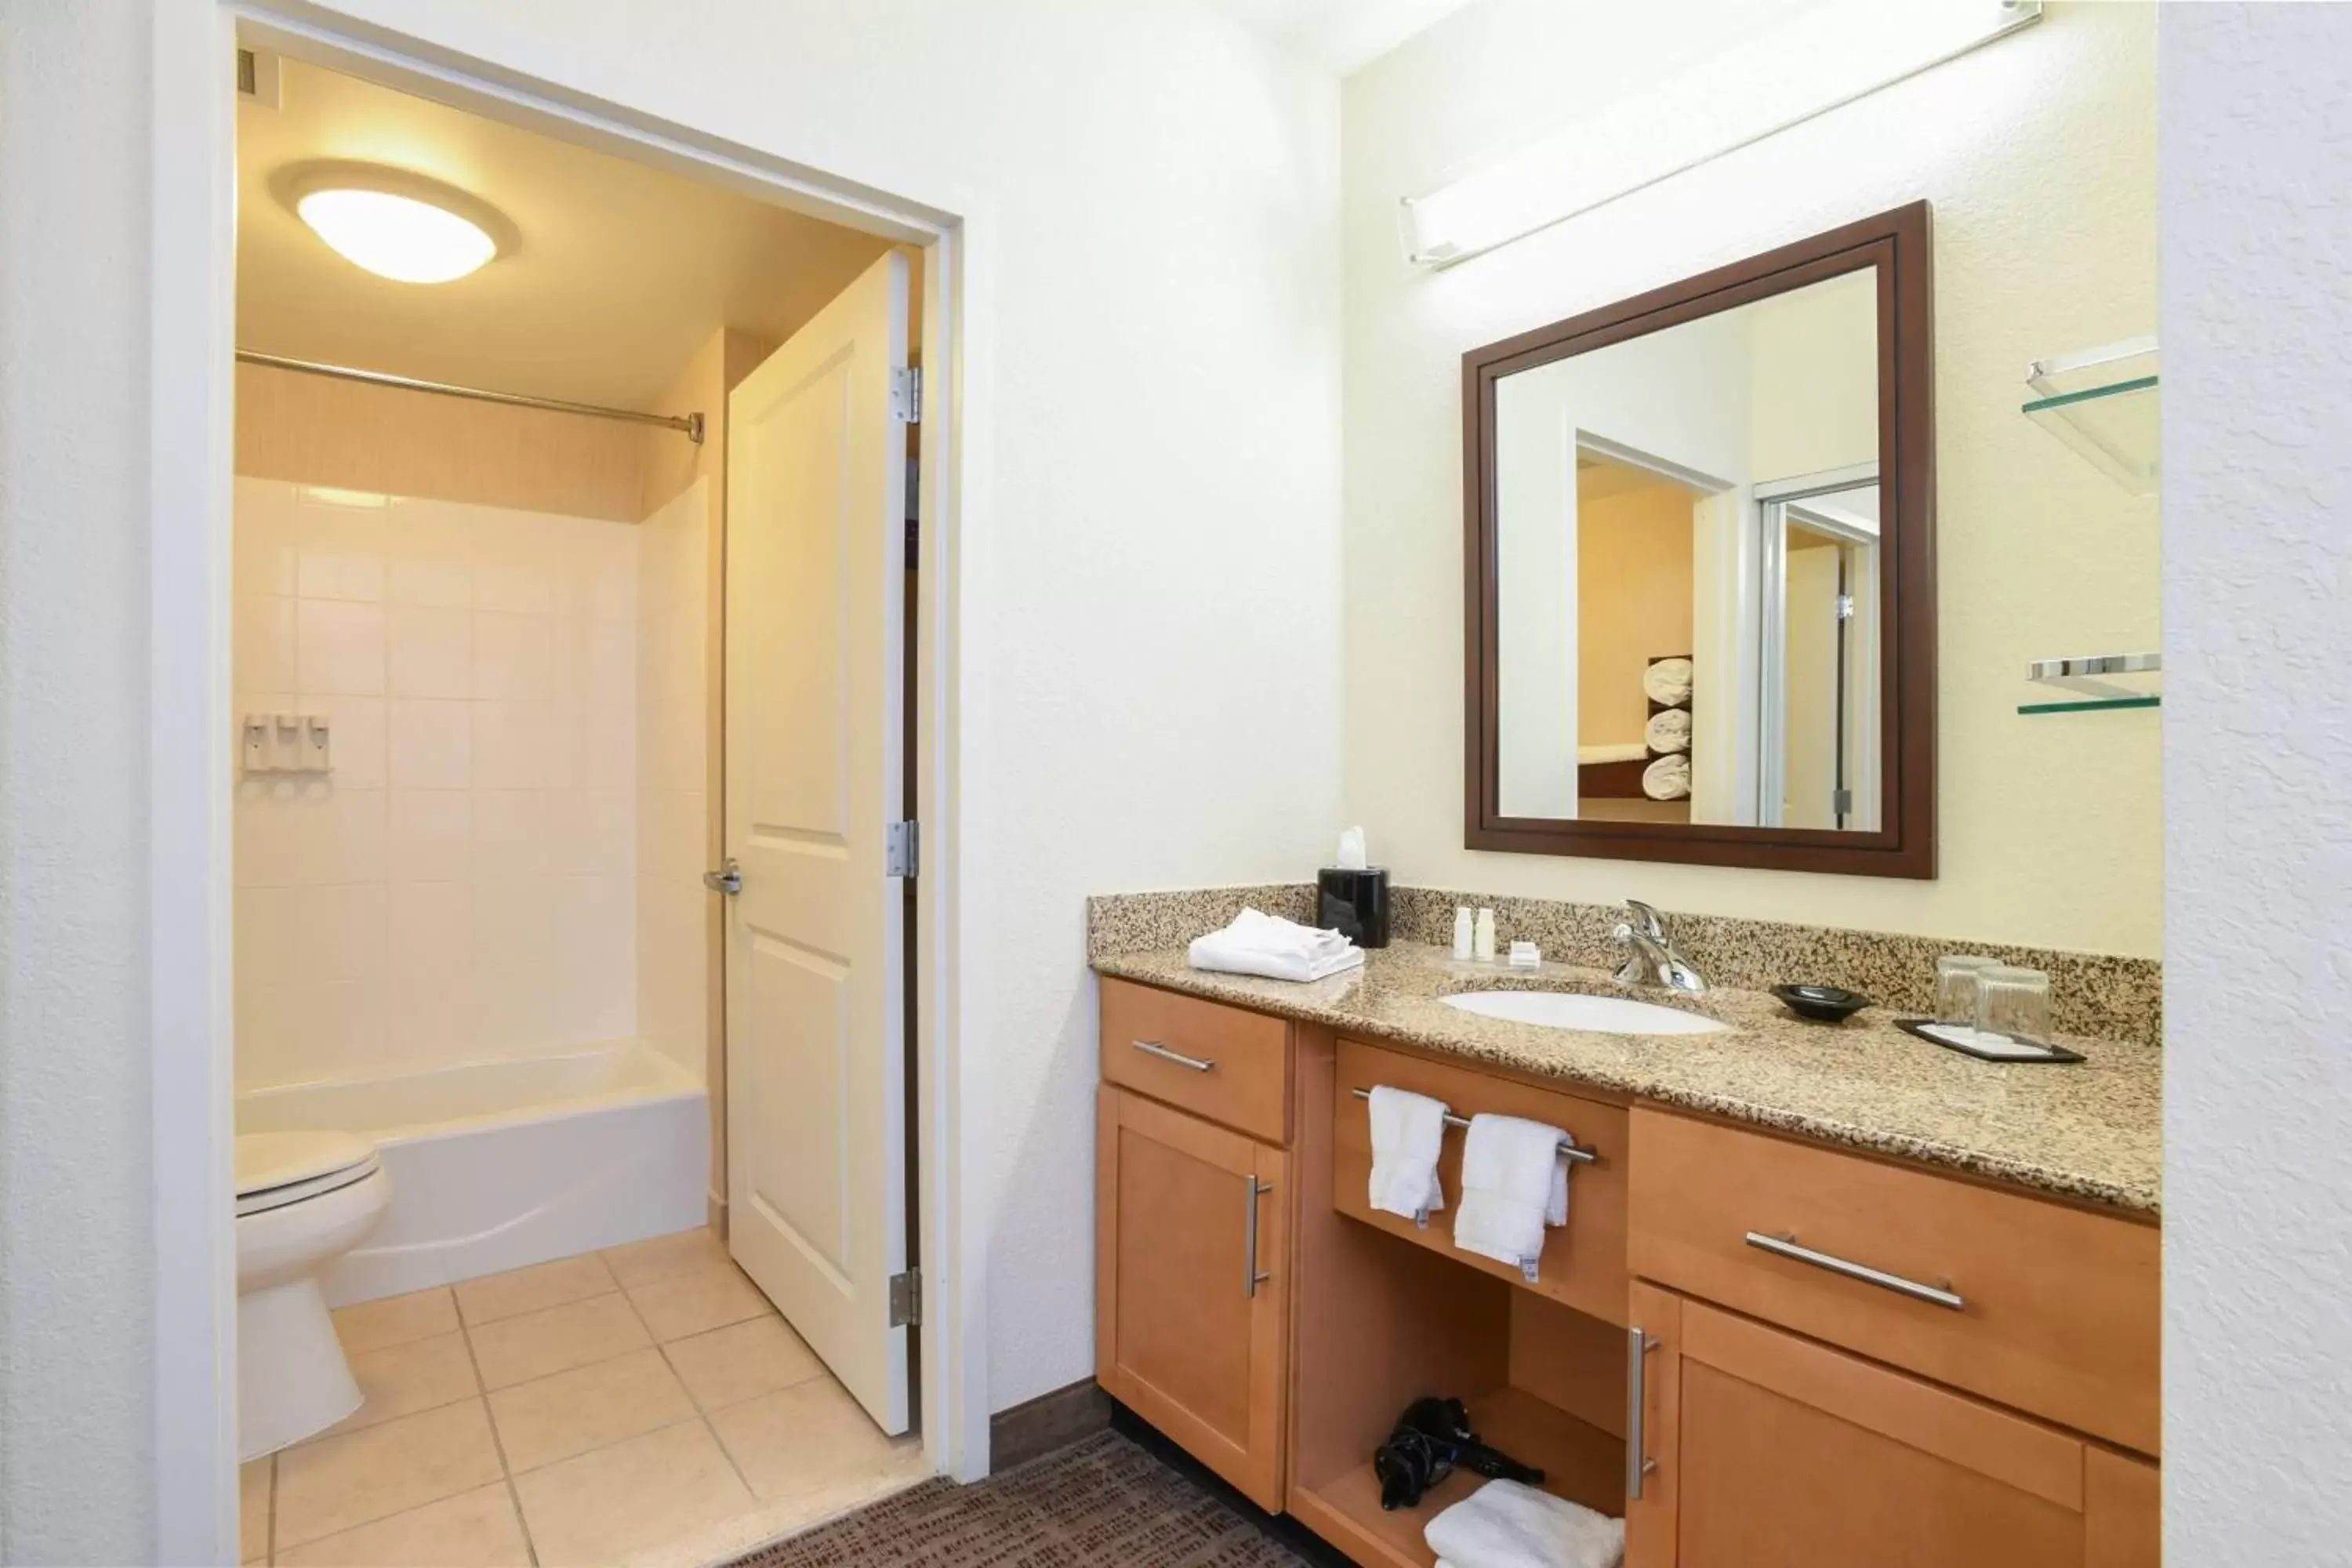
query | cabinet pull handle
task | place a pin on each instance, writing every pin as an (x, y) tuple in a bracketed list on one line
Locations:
[(1784, 1245), (1154, 1048), (1638, 1464), (1251, 1275)]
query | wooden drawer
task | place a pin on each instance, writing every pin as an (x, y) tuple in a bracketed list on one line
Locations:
[(2058, 1306), (1584, 1263), (1230, 1066)]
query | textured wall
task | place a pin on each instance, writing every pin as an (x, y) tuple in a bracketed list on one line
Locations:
[(2257, 197), (2039, 156), (77, 1248)]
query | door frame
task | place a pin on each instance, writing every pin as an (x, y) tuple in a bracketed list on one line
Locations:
[(192, 274)]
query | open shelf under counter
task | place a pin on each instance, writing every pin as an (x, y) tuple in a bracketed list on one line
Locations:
[(1580, 1461)]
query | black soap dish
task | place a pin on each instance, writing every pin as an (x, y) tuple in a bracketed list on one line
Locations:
[(1822, 1003)]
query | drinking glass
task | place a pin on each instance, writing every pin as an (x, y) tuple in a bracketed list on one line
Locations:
[(2013, 1003), (1955, 987)]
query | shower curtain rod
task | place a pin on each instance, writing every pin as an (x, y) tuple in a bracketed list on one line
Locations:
[(691, 424)]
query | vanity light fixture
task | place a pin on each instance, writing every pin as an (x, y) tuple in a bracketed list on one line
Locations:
[(397, 225), (1827, 54)]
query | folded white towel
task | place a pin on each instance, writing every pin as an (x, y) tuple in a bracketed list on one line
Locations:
[(1408, 1132), (1259, 943), (1514, 1183), (1668, 682), (1505, 1525)]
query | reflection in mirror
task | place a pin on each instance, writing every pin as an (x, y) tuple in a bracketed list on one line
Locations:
[(1688, 599)]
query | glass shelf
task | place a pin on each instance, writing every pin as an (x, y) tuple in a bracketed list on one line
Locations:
[(2088, 682), (2103, 404)]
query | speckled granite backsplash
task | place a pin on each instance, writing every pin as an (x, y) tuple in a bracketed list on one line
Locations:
[(2090, 994)]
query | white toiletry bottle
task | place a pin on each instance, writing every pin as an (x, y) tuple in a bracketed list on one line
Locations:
[(1461, 948), (1485, 936)]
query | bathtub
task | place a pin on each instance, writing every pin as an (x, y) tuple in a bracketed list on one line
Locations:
[(499, 1165)]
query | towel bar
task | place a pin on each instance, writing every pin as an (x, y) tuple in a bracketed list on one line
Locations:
[(1570, 1151)]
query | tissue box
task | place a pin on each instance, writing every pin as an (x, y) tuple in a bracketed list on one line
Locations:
[(1354, 903)]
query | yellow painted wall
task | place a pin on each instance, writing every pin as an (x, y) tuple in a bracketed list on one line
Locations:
[(1633, 604), (2038, 155)]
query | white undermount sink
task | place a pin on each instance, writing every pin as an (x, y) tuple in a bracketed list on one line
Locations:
[(1596, 1015)]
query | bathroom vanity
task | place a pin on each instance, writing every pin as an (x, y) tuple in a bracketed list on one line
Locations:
[(1826, 1295)]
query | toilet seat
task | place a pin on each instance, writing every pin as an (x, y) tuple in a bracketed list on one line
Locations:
[(277, 1169)]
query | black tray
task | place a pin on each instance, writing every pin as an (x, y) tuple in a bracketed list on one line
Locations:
[(2047, 1054)]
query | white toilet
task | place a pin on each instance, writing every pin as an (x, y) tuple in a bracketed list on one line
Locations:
[(303, 1199)]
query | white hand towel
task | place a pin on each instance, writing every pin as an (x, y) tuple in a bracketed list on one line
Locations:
[(1514, 1183), (1408, 1130), (1505, 1525), (1259, 943)]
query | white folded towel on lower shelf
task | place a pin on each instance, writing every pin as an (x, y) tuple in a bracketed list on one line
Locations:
[(1260, 943), (1505, 1525), (1408, 1132), (1514, 1183)]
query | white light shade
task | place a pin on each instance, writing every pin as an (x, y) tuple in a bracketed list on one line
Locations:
[(396, 236), (1828, 53)]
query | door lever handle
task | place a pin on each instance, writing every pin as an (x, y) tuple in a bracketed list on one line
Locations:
[(729, 881)]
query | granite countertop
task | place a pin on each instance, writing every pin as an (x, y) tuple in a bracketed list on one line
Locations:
[(2091, 1130)]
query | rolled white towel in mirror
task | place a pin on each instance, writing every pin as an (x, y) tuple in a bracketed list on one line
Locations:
[(1669, 730), (1668, 682), (1668, 778)]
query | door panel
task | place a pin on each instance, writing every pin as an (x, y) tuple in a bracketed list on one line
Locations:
[(1182, 1334), (816, 949)]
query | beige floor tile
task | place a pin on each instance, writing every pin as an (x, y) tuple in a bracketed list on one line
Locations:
[(253, 1509), (533, 1290), (809, 1436), (742, 1360), (337, 1482), (516, 1350), (603, 1506), (400, 1379), (396, 1320), (473, 1530), (681, 1252), (552, 1419), (695, 1304)]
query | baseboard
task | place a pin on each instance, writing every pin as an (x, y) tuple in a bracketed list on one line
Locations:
[(1036, 1427), (715, 1209)]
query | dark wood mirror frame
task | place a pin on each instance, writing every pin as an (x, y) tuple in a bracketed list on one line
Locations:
[(1897, 245)]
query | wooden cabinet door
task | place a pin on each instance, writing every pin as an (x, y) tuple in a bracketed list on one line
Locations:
[(1773, 1452), (1191, 1285)]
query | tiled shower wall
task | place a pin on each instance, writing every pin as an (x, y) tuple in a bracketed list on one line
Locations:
[(673, 786), (464, 883)]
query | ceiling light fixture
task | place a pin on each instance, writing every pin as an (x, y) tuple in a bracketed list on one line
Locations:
[(397, 225)]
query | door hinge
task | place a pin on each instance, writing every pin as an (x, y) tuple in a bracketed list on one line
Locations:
[(1845, 606), (1840, 803), (906, 1299), (902, 849), (906, 395)]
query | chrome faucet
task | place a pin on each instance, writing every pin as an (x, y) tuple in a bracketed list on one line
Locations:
[(1650, 957)]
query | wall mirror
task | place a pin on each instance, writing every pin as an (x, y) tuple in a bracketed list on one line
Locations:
[(1700, 549)]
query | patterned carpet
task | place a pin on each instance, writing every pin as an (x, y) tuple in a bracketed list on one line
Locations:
[(1103, 1500)]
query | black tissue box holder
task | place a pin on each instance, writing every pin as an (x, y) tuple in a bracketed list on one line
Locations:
[(1354, 903)]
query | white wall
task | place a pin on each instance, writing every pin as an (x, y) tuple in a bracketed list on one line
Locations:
[(462, 884), (2256, 111), (2039, 156), (673, 786), (1152, 519), (77, 1245)]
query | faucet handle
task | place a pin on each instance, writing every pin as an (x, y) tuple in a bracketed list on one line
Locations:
[(1653, 924)]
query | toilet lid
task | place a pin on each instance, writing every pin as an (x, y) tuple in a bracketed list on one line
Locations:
[(268, 1160)]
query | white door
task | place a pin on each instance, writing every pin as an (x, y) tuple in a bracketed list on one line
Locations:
[(815, 1017)]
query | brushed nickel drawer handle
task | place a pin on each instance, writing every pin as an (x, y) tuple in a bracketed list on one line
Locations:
[(1785, 1246), (1154, 1048), (1252, 1275), (1639, 1465)]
